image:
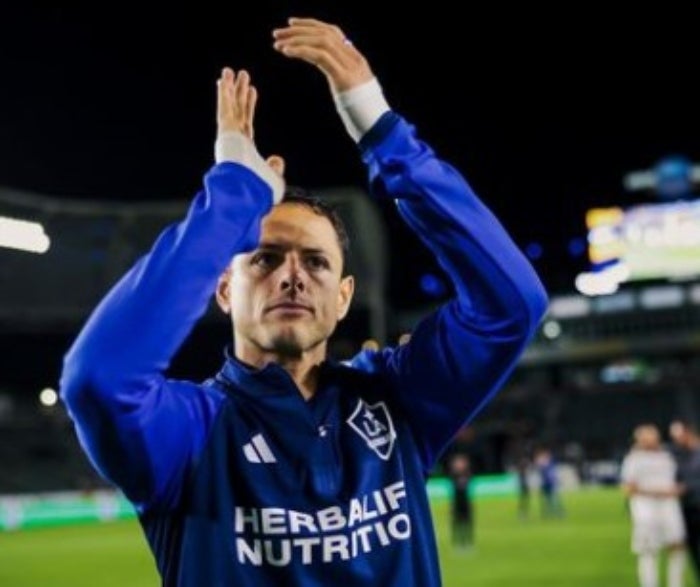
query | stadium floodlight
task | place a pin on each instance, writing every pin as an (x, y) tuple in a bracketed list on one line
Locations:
[(23, 235), (551, 329), (48, 397)]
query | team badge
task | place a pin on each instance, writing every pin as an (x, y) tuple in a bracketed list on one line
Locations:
[(373, 423)]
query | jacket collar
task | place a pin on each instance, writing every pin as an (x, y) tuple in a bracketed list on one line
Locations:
[(271, 379)]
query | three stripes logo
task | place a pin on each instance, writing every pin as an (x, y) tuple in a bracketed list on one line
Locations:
[(258, 451)]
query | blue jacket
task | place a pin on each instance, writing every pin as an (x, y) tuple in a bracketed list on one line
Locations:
[(238, 480)]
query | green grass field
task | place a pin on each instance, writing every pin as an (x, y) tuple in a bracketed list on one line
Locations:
[(589, 547)]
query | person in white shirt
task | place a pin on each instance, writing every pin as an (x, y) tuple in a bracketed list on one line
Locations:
[(648, 478)]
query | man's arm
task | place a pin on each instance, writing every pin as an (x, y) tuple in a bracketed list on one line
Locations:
[(139, 429), (460, 356)]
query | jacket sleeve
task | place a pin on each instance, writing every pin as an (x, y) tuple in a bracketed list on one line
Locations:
[(139, 429), (459, 356)]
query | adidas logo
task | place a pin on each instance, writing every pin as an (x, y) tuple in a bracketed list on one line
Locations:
[(257, 451)]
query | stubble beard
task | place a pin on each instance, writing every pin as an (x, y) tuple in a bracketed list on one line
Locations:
[(290, 344)]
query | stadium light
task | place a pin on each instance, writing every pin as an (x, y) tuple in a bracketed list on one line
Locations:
[(551, 329), (48, 397), (23, 235)]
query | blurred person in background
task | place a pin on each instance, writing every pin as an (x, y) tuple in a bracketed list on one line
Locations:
[(462, 510), (550, 498), (522, 466), (522, 447), (686, 450), (648, 479), (286, 467)]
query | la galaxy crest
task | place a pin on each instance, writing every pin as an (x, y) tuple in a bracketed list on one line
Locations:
[(374, 424)]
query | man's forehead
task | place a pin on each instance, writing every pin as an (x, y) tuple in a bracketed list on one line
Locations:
[(297, 227)]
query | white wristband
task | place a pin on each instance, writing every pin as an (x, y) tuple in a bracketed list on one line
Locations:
[(235, 147), (360, 107)]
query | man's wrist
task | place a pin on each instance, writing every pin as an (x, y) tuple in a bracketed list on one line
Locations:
[(360, 107), (236, 147)]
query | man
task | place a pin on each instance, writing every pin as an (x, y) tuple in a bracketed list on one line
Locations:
[(686, 444), (522, 467), (550, 498), (287, 468), (462, 510), (648, 480)]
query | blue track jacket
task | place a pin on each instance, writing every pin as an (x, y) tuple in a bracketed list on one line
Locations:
[(240, 482)]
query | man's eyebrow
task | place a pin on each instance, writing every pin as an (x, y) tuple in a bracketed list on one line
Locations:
[(272, 246), (279, 247)]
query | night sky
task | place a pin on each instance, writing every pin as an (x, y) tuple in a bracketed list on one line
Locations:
[(544, 112)]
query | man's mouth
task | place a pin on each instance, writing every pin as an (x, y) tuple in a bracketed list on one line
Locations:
[(291, 307)]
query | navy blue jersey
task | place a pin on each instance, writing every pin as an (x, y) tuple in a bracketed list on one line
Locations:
[(240, 481)]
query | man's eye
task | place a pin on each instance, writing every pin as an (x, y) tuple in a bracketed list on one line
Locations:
[(264, 259), (317, 262)]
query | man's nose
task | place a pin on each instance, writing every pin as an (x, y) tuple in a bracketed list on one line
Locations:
[(292, 278)]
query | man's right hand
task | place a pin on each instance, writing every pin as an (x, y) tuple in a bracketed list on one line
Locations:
[(237, 99), (235, 113)]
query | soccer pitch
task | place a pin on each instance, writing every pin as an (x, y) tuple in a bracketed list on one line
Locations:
[(588, 547)]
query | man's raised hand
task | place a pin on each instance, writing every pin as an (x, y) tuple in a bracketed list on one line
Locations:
[(325, 46), (237, 99), (235, 113)]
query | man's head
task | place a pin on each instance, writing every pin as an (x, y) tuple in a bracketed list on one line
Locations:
[(683, 434), (297, 195), (287, 296), (647, 437)]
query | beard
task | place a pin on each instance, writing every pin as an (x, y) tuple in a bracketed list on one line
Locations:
[(286, 345), (291, 343)]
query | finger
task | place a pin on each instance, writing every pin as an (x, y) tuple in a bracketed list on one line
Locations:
[(313, 23), (277, 163), (307, 29), (332, 35), (220, 99), (250, 104), (223, 85), (221, 94), (298, 20), (312, 40), (229, 79), (241, 86), (335, 47), (325, 60)]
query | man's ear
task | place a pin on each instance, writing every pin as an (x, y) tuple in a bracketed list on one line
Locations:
[(223, 298), (347, 288)]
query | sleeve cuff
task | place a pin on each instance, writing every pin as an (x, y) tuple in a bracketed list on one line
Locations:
[(360, 107), (235, 147)]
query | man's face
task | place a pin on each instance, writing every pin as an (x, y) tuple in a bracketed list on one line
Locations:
[(287, 296), (676, 432)]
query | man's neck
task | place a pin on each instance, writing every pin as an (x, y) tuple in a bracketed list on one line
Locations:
[(304, 374), (303, 369)]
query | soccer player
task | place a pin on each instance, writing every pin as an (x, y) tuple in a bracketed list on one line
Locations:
[(648, 478), (550, 496), (286, 467), (522, 466), (462, 510)]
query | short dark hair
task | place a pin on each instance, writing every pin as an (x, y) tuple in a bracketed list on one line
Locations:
[(301, 196)]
